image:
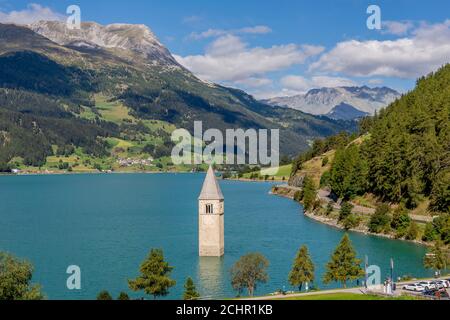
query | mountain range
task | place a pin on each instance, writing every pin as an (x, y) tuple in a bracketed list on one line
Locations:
[(90, 90), (337, 101)]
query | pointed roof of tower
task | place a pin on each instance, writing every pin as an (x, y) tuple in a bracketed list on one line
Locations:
[(211, 189)]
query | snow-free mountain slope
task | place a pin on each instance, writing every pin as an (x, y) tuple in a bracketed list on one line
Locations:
[(322, 101), (136, 38)]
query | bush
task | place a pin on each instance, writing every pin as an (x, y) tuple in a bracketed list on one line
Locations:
[(352, 221), (346, 210), (380, 221), (325, 180), (430, 234), (439, 229), (413, 231), (298, 196), (329, 209), (401, 222)]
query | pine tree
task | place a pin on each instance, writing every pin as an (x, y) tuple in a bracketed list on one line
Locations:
[(401, 222), (438, 257), (302, 269), (380, 221), (343, 266), (349, 173), (104, 295), (440, 195), (123, 296), (346, 211), (155, 276), (190, 291), (430, 233), (309, 193)]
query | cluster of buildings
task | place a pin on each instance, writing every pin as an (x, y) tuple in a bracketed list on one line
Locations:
[(129, 162)]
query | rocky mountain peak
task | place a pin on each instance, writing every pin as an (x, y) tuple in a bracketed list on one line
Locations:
[(322, 101), (133, 37)]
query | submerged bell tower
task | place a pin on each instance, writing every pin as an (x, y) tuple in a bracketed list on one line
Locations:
[(211, 218)]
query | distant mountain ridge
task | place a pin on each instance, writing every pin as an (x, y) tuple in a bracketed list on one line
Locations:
[(345, 111), (323, 101)]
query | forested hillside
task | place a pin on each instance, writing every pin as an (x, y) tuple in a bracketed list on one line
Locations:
[(408, 153), (403, 155), (114, 103)]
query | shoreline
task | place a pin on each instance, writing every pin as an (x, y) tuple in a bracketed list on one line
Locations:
[(89, 173), (251, 180), (333, 223)]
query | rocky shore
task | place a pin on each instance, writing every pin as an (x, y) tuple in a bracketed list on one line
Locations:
[(286, 191)]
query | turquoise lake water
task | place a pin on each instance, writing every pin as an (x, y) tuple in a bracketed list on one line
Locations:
[(106, 224)]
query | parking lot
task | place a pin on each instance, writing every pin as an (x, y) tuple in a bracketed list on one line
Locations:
[(436, 289)]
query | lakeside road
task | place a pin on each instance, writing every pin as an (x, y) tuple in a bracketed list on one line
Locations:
[(359, 290)]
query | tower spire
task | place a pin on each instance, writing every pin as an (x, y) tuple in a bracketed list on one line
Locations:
[(211, 189)]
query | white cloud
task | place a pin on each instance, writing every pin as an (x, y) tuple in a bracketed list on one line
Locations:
[(256, 30), (211, 33), (301, 84), (228, 58), (33, 13), (375, 82), (398, 28), (254, 82), (426, 50)]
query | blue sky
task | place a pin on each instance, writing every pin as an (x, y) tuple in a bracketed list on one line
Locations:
[(281, 47)]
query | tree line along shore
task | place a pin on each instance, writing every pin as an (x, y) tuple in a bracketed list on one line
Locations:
[(250, 271)]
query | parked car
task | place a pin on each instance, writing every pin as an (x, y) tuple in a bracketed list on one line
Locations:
[(445, 283), (439, 284), (439, 294), (428, 285), (416, 287)]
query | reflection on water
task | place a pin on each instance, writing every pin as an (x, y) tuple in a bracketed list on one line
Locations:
[(210, 276)]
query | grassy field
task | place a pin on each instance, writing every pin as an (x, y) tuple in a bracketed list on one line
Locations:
[(283, 173), (113, 111), (346, 296), (314, 168)]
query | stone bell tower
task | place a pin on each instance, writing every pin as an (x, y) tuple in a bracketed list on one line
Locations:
[(211, 218)]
